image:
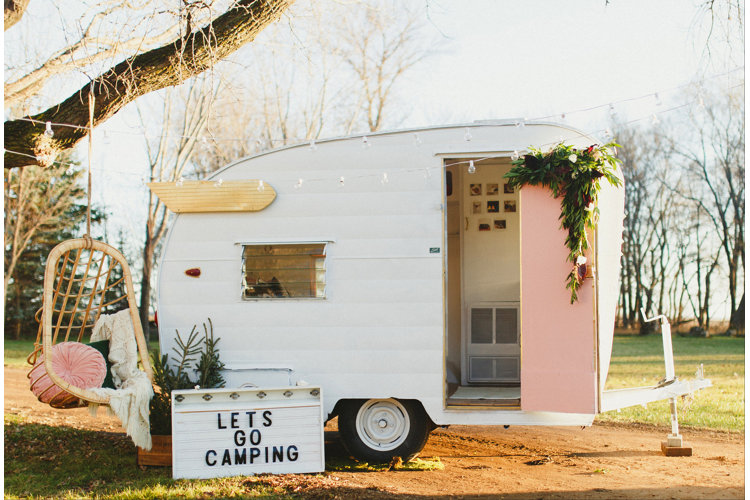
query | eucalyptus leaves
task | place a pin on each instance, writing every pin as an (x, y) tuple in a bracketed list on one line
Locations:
[(573, 174)]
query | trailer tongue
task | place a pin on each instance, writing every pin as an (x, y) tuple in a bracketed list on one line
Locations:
[(669, 388)]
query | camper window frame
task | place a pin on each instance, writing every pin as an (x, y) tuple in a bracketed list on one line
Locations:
[(314, 281)]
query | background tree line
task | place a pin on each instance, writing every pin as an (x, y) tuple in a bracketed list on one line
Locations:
[(684, 240)]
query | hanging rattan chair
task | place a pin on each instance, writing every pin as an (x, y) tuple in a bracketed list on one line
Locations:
[(84, 279)]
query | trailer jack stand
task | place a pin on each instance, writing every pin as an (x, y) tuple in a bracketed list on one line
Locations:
[(673, 446)]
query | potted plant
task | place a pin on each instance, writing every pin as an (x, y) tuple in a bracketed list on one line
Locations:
[(197, 356)]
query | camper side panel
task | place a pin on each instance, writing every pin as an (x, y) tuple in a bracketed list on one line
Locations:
[(378, 332)]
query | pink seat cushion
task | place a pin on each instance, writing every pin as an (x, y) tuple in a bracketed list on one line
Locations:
[(78, 364)]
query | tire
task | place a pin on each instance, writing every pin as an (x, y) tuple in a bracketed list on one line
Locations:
[(377, 430)]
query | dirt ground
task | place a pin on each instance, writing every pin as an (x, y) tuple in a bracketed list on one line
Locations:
[(603, 461)]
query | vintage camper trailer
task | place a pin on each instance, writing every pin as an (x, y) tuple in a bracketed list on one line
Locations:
[(400, 273)]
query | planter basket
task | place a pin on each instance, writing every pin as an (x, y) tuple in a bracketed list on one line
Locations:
[(160, 454)]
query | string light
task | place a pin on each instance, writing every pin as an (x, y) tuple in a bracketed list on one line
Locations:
[(384, 178), (654, 119), (261, 186), (467, 135), (565, 114), (48, 130), (180, 181), (313, 146), (219, 183), (365, 142), (299, 183), (472, 168)]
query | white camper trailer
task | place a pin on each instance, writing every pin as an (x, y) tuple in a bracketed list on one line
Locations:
[(398, 272)]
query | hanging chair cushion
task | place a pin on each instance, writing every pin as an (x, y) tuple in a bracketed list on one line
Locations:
[(78, 364)]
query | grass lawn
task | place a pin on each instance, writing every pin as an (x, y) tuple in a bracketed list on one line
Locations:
[(638, 361), (16, 351), (43, 461)]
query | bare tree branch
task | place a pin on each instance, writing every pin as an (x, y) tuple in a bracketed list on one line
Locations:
[(14, 10), (153, 70)]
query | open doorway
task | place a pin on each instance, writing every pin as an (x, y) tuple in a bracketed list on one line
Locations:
[(483, 344)]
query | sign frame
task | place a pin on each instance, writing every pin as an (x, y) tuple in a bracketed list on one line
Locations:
[(247, 431)]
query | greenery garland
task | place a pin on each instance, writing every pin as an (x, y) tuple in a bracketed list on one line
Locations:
[(574, 174)]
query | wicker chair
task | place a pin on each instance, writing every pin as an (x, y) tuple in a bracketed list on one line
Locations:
[(83, 279)]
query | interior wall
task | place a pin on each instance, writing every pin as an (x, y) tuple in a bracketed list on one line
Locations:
[(491, 254)]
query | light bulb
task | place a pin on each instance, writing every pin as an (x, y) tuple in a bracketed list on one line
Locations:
[(515, 155), (299, 184), (219, 183), (180, 182), (48, 130), (472, 168), (658, 101), (654, 119), (417, 140), (611, 109), (384, 178), (261, 186), (467, 135), (313, 146), (341, 182), (365, 142)]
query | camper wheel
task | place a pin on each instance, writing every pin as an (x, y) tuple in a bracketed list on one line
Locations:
[(378, 430)]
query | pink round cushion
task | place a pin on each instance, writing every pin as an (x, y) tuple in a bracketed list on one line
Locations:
[(78, 364)]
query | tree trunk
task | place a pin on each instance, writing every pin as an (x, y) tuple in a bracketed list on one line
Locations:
[(14, 10), (737, 319), (148, 258), (153, 70)]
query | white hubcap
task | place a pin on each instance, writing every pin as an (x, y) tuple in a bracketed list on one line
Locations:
[(382, 424)]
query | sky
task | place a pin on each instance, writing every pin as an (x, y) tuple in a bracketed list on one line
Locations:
[(499, 59)]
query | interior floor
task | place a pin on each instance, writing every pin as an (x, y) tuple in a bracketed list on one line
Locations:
[(508, 396)]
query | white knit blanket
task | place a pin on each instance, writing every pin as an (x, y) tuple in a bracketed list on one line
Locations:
[(130, 400)]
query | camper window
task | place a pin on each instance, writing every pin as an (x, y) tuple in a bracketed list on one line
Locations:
[(283, 271)]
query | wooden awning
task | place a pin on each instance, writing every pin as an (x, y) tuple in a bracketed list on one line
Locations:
[(214, 196)]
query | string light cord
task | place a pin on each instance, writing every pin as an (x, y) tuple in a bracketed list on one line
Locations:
[(563, 114), (384, 177)]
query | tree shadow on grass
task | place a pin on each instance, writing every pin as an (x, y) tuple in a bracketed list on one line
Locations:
[(51, 461)]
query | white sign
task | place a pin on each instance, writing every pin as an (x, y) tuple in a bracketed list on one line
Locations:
[(230, 432)]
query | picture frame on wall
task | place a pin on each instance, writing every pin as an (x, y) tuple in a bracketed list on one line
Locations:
[(492, 189), (475, 189), (509, 206), (476, 207), (508, 189), (484, 225), (493, 207), (500, 224)]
